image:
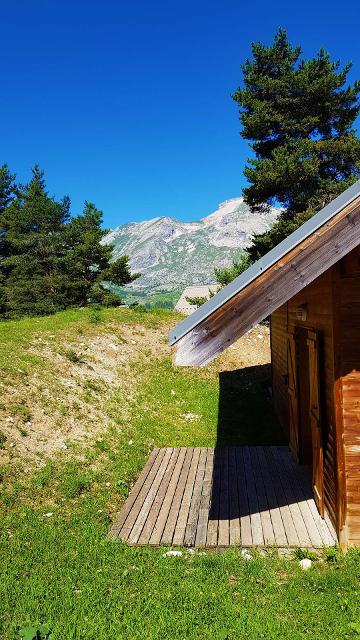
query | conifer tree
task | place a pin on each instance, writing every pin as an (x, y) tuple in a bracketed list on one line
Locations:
[(7, 187), (88, 260), (299, 117), (33, 226), (7, 193)]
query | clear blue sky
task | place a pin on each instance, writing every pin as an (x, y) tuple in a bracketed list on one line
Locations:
[(127, 103)]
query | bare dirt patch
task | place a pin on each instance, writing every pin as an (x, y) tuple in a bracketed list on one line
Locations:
[(64, 401)]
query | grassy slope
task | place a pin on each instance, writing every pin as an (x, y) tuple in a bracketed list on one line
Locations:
[(62, 570)]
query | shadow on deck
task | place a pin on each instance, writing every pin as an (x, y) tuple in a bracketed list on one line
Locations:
[(247, 491)]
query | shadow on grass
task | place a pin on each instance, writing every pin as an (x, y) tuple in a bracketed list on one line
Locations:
[(245, 414)]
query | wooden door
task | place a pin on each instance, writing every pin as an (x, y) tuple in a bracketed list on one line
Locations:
[(293, 397), (315, 421)]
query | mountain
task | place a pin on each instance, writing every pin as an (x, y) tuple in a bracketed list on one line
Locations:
[(171, 254)]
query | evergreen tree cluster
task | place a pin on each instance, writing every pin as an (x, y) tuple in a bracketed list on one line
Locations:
[(49, 260), (298, 116)]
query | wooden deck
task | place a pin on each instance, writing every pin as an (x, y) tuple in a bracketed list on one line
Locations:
[(202, 497)]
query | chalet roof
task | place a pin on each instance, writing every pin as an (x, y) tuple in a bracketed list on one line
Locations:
[(270, 282)]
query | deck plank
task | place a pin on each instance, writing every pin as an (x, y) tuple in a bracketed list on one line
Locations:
[(160, 523), (201, 531), (266, 523), (205, 497), (296, 513), (306, 502), (169, 529), (213, 522), (118, 523), (190, 531), (274, 511), (255, 519), (224, 530), (291, 533), (133, 514), (244, 510), (294, 484), (149, 500), (153, 513), (179, 532), (234, 506)]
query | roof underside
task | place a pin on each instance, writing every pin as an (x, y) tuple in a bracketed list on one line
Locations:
[(284, 271)]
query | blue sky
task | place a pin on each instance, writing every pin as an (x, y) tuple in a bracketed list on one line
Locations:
[(127, 103)]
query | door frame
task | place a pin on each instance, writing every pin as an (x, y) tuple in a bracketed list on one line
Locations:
[(314, 408)]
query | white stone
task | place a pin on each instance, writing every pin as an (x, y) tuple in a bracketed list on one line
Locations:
[(305, 564), (190, 416), (246, 554), (172, 553)]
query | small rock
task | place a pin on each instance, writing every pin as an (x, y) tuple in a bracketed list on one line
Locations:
[(191, 552), (48, 515), (130, 442), (246, 554), (12, 444), (133, 341), (305, 564), (172, 553), (173, 393), (9, 419), (190, 416)]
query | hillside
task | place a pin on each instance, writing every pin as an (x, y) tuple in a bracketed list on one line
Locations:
[(171, 254), (67, 378), (86, 395)]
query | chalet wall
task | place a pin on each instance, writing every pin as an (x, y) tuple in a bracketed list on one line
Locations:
[(318, 298), (348, 382), (278, 337)]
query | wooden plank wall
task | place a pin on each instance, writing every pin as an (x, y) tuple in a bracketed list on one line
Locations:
[(319, 302), (278, 329), (348, 382)]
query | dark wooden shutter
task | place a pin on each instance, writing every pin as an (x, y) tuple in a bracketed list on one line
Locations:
[(315, 421), (293, 396)]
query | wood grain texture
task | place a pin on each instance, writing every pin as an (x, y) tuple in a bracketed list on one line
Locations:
[(203, 497)]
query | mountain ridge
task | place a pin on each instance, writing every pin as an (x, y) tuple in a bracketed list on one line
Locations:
[(170, 253)]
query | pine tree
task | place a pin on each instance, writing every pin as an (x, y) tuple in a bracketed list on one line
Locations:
[(298, 115), (88, 261), (7, 187), (33, 225), (7, 193)]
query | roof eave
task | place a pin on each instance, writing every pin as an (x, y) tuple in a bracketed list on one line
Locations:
[(273, 256)]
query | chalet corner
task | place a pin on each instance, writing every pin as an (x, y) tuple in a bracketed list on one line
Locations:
[(309, 286)]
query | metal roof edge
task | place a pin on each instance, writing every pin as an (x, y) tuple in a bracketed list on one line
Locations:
[(275, 254)]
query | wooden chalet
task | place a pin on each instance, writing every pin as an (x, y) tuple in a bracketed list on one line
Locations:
[(309, 286)]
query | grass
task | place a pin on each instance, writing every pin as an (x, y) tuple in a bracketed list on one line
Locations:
[(59, 569)]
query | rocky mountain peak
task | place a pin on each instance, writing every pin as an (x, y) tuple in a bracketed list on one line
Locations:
[(173, 254)]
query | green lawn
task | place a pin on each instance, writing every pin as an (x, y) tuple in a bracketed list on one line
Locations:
[(57, 565)]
